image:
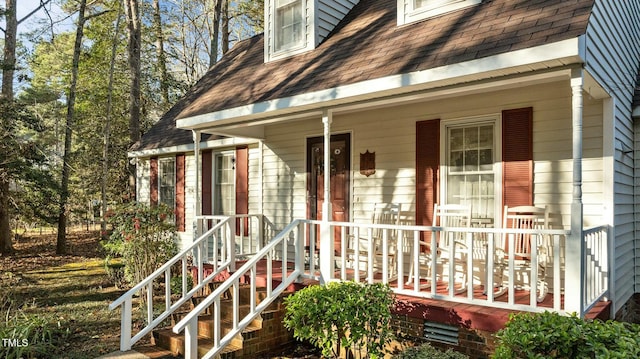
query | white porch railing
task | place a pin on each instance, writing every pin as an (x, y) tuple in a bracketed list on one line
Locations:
[(290, 240), (596, 266), (214, 246), (483, 253)]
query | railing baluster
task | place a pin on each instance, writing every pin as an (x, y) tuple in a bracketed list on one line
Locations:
[(356, 269), (236, 298), (343, 252), (191, 339), (557, 293), (184, 277), (125, 326), (385, 256), (400, 258), (167, 289), (150, 303)]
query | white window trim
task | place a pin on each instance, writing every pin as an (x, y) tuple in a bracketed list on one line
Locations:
[(286, 52), (408, 14), (496, 120)]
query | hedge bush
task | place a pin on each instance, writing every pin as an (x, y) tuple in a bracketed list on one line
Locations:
[(144, 237), (339, 316), (551, 335)]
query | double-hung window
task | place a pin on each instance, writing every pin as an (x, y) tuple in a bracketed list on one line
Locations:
[(225, 184), (167, 182), (288, 24), (471, 170)]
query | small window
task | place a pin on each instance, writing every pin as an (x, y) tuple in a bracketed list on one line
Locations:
[(288, 24), (167, 182)]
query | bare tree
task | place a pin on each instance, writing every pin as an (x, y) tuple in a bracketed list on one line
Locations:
[(107, 126), (66, 158), (8, 70), (132, 12), (162, 59)]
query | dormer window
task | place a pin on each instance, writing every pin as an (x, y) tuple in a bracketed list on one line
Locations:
[(414, 10), (288, 24)]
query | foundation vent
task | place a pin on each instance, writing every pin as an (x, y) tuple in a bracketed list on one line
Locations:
[(442, 333)]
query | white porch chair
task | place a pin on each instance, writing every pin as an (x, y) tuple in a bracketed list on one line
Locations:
[(446, 216), (384, 214), (528, 217)]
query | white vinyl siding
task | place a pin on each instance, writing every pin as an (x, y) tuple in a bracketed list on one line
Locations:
[(613, 55), (330, 12), (390, 133)]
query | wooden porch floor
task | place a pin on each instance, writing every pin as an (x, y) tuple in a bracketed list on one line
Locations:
[(469, 316)]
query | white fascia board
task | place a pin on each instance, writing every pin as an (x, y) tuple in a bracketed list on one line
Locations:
[(567, 51), (213, 144)]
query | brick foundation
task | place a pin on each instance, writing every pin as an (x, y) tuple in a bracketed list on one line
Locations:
[(476, 343), (630, 311)]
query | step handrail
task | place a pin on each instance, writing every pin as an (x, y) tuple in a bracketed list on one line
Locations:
[(126, 341), (190, 322)]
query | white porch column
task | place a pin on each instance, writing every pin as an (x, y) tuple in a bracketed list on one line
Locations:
[(198, 205), (574, 282), (326, 235)]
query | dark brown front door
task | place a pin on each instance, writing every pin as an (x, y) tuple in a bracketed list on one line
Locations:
[(340, 169)]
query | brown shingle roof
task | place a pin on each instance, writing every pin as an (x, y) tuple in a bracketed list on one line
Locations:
[(368, 44)]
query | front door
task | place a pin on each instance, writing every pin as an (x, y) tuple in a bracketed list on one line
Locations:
[(340, 168)]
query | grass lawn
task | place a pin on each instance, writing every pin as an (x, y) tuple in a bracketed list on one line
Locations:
[(61, 300)]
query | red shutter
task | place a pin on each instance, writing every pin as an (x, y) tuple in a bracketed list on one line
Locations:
[(180, 193), (517, 157), (207, 183), (153, 181), (427, 169), (242, 187)]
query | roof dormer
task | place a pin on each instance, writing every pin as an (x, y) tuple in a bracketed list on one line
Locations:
[(414, 10), (296, 26)]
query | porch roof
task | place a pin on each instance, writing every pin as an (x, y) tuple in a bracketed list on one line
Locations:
[(366, 46)]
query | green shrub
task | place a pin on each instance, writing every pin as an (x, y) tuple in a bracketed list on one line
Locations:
[(144, 237), (551, 335), (342, 315), (176, 284), (426, 351)]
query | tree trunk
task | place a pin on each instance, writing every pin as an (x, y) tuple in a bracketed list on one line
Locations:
[(8, 68), (107, 130), (225, 26), (215, 33), (66, 158), (162, 61), (133, 25)]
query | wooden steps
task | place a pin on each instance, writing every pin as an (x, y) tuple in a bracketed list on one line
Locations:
[(250, 342)]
